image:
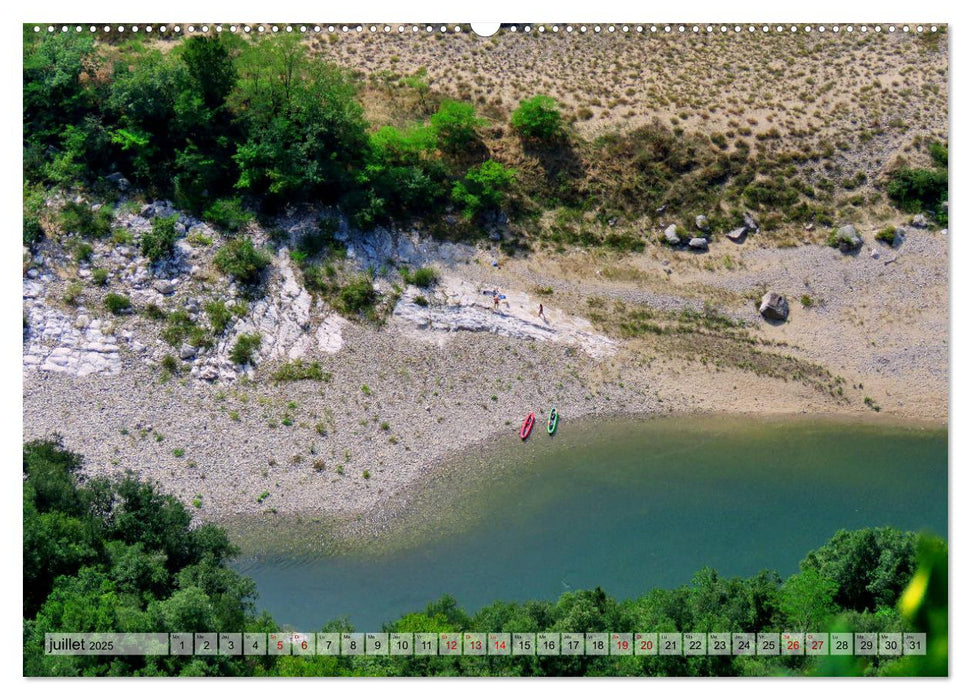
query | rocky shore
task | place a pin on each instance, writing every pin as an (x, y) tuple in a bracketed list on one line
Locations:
[(387, 403)]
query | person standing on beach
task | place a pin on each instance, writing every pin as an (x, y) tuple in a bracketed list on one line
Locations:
[(495, 300)]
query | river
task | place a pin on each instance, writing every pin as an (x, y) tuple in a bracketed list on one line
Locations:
[(627, 505)]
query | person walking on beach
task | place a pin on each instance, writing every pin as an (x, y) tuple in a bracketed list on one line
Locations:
[(541, 312), (495, 300)]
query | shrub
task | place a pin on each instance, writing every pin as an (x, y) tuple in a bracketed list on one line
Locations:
[(33, 212), (537, 118), (170, 364), (298, 370), (358, 295), (887, 235), (80, 218), (228, 215), (246, 345), (99, 276), (455, 124), (422, 277), (117, 303), (82, 251), (73, 293), (241, 260), (420, 300), (180, 327), (122, 236), (219, 316), (198, 239), (154, 312), (913, 189), (806, 301), (159, 243), (482, 187)]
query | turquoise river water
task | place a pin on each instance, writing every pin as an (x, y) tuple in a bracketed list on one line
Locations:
[(627, 505)]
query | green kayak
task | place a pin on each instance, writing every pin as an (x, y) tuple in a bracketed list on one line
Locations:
[(553, 420)]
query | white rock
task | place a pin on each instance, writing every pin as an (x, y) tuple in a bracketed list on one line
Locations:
[(164, 286)]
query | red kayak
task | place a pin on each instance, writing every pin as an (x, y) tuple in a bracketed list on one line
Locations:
[(527, 425)]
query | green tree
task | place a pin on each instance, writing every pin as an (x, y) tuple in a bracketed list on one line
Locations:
[(455, 124), (808, 600), (118, 556), (54, 93), (538, 118), (401, 176), (305, 132), (870, 567), (483, 187)]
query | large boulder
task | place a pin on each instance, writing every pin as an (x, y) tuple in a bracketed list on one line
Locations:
[(701, 223), (846, 239), (165, 287), (698, 243), (919, 221), (671, 235), (737, 234), (774, 307)]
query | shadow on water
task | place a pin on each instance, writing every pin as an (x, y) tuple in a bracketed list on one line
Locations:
[(624, 504)]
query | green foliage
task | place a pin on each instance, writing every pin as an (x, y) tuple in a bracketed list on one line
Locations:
[(82, 219), (180, 328), (298, 370), (219, 316), (81, 251), (34, 210), (887, 235), (538, 118), (117, 556), (914, 189), (401, 176), (422, 277), (228, 214), (305, 132), (483, 187), (170, 364), (770, 194), (54, 93), (808, 600), (454, 124), (240, 259), (73, 292), (246, 345), (99, 276), (159, 243), (870, 567), (917, 189), (117, 303), (358, 295)]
